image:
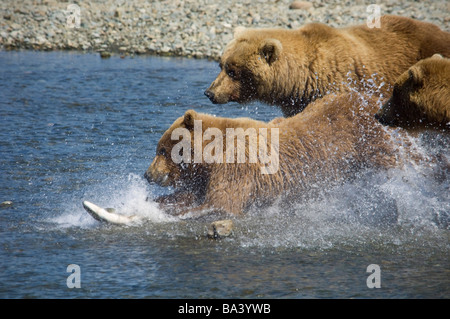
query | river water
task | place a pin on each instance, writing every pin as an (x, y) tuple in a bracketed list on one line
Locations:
[(76, 127)]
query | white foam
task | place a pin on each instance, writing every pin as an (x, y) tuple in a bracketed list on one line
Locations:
[(128, 196), (399, 206), (132, 199)]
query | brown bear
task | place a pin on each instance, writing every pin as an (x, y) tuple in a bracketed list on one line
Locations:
[(291, 68), (421, 96), (228, 165)]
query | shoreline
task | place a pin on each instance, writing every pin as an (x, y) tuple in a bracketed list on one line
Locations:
[(193, 29)]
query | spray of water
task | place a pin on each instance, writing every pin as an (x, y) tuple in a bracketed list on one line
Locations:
[(127, 196), (398, 207)]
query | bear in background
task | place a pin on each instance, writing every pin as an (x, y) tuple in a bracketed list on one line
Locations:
[(421, 96), (332, 140), (292, 68)]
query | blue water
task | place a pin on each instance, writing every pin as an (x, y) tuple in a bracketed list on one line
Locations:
[(76, 127)]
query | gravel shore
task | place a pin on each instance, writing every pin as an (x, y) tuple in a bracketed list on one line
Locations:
[(192, 28)]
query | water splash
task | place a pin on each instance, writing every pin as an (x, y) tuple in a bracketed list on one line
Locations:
[(127, 196), (398, 207), (132, 199)]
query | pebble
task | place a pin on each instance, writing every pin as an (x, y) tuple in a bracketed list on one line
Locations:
[(300, 5), (105, 54), (200, 28)]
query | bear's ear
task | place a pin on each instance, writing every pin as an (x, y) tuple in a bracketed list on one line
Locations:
[(437, 56), (415, 75), (271, 50), (189, 118), (238, 31)]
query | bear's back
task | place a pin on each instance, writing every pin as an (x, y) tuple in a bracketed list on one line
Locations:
[(417, 39)]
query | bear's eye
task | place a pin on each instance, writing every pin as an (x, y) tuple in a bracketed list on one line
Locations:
[(162, 151), (234, 74)]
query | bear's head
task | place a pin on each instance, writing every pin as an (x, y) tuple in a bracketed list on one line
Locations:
[(187, 150), (420, 96), (168, 167), (245, 67), (196, 143)]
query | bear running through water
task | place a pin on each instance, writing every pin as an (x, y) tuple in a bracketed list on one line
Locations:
[(328, 143)]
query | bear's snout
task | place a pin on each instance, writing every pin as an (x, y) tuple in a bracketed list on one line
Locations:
[(223, 90), (160, 179), (210, 94), (380, 118), (383, 119), (148, 177), (157, 173), (386, 116)]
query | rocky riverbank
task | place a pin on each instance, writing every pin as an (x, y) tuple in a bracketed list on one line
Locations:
[(192, 28)]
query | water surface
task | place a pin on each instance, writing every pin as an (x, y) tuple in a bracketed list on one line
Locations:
[(76, 127)]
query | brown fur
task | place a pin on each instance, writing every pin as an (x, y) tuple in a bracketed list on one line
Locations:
[(324, 144), (421, 96), (291, 68)]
